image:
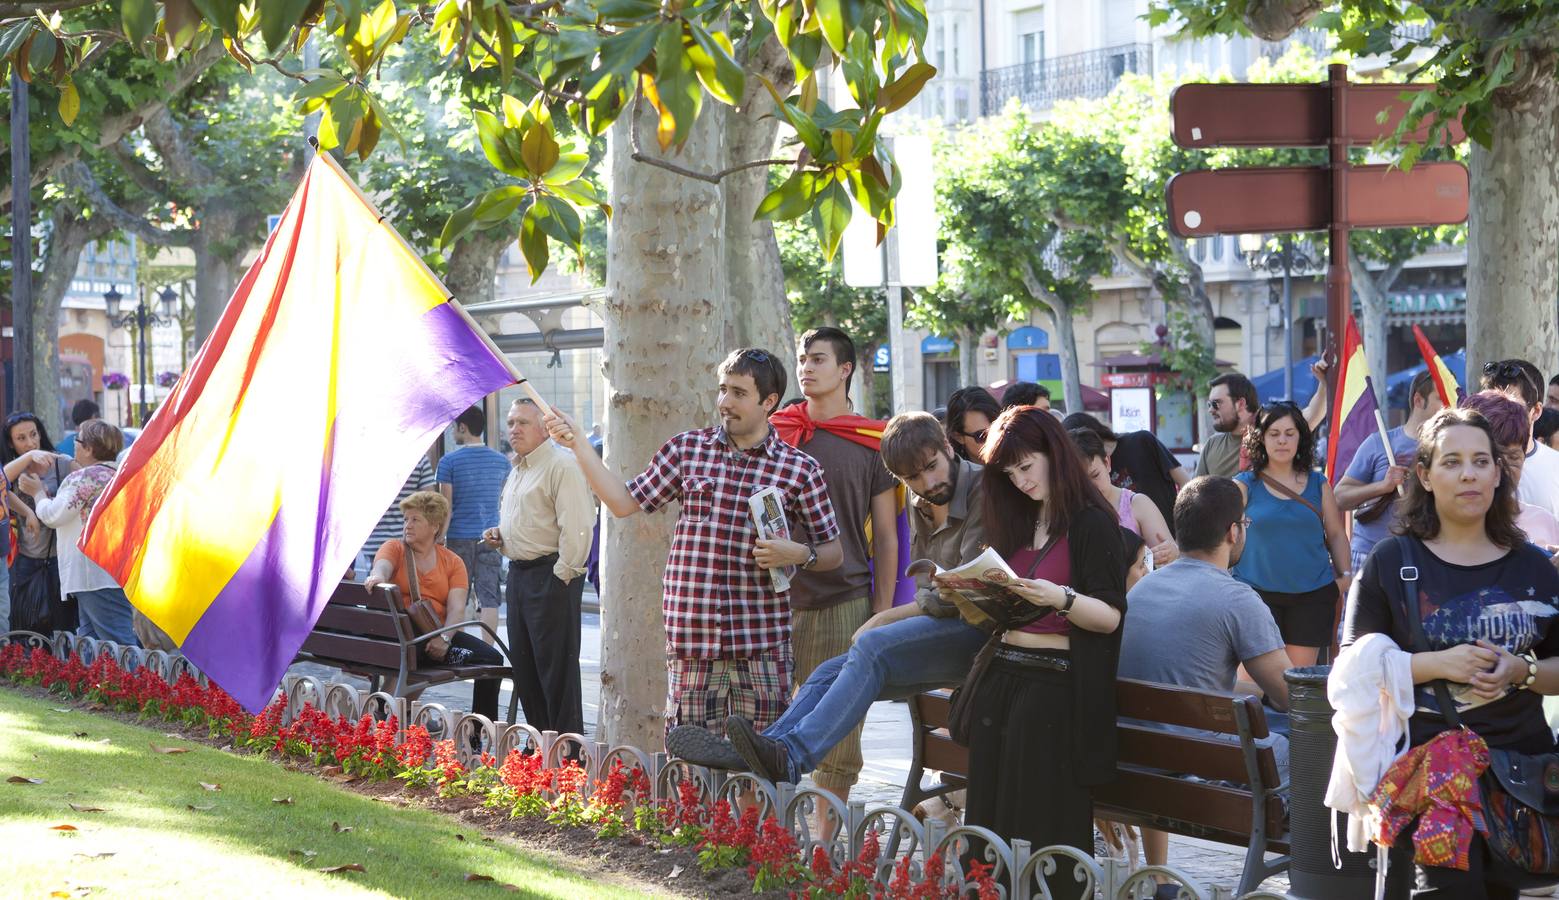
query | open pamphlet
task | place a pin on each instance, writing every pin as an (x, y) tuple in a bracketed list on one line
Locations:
[(767, 507), (984, 583)]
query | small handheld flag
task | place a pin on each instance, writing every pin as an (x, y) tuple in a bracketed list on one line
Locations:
[(338, 360)]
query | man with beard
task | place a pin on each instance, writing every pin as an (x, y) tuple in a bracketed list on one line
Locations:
[(1193, 624), (898, 653), (1232, 406)]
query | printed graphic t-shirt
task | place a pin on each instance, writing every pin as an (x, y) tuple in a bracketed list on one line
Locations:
[(1512, 602)]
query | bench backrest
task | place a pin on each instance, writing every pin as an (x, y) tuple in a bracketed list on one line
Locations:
[(1149, 787), (363, 627), (1153, 761)]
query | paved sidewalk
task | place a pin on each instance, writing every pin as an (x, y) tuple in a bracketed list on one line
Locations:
[(884, 742)]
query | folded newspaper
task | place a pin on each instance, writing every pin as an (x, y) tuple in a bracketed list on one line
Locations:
[(985, 584), (767, 507)]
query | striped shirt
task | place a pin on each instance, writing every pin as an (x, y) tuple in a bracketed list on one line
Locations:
[(393, 523), (475, 474)]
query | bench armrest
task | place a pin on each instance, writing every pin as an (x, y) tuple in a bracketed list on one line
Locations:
[(498, 641)]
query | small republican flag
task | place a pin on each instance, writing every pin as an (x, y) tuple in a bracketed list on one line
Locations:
[(1353, 409)]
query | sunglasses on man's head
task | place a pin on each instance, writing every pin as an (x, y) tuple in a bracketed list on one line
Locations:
[(1503, 371)]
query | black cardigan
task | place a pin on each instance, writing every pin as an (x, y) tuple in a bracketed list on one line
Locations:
[(1098, 557)]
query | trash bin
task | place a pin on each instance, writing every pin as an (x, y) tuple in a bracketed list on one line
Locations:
[(1311, 743)]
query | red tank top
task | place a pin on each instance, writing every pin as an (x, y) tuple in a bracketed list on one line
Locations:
[(1056, 567)]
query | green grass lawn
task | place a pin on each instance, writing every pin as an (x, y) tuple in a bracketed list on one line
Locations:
[(161, 834)]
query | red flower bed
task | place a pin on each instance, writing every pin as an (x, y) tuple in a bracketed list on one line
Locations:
[(621, 802)]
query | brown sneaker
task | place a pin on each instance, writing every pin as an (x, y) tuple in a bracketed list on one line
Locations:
[(766, 757)]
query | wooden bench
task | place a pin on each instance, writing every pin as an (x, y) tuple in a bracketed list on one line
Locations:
[(370, 634), (1150, 788)]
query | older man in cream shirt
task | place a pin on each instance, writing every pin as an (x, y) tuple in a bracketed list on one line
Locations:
[(544, 525)]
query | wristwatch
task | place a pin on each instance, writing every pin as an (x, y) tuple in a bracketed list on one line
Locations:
[(811, 557), (1071, 597), (1530, 659)]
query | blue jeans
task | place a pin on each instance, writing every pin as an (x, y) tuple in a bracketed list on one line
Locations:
[(894, 661), (5, 596), (106, 615)]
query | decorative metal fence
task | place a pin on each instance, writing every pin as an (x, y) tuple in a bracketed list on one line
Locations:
[(816, 818), (1042, 83)]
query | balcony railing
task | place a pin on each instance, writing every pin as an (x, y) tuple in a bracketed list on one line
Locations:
[(1042, 83)]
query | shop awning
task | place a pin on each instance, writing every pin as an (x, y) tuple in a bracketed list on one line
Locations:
[(1269, 385), (1399, 383)]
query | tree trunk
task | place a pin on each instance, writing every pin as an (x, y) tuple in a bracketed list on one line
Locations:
[(216, 273), (968, 345), (1372, 296), (1066, 348), (664, 334), (1513, 230), (472, 276), (755, 281), (70, 233), (865, 380)]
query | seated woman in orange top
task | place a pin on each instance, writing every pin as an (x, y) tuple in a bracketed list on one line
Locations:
[(442, 580)]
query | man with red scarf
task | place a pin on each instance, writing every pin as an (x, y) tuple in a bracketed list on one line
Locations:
[(827, 608)]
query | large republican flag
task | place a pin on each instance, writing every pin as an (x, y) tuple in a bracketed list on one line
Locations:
[(1354, 407), (338, 360)]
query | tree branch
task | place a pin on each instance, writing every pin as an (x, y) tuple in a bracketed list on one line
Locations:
[(115, 127), (638, 155), (167, 138), (275, 63), (138, 172), (78, 175), (11, 10)]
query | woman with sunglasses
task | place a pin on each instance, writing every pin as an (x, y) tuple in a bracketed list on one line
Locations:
[(970, 412), (1043, 713), (27, 448), (1296, 551)]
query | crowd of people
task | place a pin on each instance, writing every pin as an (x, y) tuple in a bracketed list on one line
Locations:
[(1125, 564)]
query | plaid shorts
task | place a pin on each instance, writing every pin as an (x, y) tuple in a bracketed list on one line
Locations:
[(704, 692)]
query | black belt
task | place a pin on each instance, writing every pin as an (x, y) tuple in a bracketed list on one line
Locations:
[(539, 561), (1035, 658)]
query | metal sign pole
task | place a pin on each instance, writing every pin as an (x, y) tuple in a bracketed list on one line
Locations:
[(1339, 282), (898, 351)]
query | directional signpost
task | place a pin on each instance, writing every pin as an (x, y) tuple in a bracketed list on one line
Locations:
[(1337, 197)]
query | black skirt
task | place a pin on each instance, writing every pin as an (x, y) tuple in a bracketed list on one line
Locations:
[(1022, 781)]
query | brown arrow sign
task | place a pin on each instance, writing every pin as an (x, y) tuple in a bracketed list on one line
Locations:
[(1244, 201), (1290, 115)]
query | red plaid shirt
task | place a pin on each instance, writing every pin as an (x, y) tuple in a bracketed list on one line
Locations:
[(717, 601)]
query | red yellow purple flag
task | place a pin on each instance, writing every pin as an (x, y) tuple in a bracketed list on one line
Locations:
[(338, 360), (1444, 382), (1354, 407)]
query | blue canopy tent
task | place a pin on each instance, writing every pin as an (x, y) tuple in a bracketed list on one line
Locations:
[(1269, 386), (1399, 383)]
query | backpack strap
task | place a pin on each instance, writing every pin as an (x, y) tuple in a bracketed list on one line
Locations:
[(1407, 575)]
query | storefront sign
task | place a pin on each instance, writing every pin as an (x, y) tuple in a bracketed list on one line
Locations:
[(1131, 409), (1438, 301), (1133, 379)]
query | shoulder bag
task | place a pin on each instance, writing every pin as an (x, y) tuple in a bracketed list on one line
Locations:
[(960, 714), (1520, 790), (1288, 492), (424, 620)]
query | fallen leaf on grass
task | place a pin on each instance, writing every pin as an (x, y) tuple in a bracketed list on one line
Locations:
[(86, 808), (349, 867), (79, 734), (200, 808), (284, 801), (209, 787), (331, 770), (487, 840), (62, 828), (157, 749), (511, 888), (460, 837), (104, 855), (338, 828), (61, 709), (472, 876), (675, 871), (20, 779), (306, 854)]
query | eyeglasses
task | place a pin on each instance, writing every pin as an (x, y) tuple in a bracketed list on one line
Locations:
[(977, 435), (1212, 405), (1245, 522)]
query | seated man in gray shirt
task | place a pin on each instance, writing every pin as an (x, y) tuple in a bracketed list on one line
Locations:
[(1193, 624)]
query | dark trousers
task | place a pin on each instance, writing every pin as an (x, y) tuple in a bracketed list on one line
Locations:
[(544, 644), (465, 650)]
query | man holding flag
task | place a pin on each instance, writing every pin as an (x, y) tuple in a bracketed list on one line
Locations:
[(829, 607), (1369, 486)]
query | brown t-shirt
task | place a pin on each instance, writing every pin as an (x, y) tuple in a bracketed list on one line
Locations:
[(854, 475)]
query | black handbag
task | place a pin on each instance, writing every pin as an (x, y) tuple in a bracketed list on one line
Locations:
[(36, 604), (1520, 790)]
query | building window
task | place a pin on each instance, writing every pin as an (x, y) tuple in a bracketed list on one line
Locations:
[(1031, 47)]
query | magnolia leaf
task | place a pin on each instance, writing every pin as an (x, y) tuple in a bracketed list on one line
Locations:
[(70, 103), (18, 779), (63, 828), (85, 809), (904, 88), (139, 18), (831, 215), (491, 132), (338, 828), (193, 808), (208, 786), (284, 801), (180, 22), (472, 876), (831, 16), (538, 150), (349, 867), (533, 242), (157, 749)]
